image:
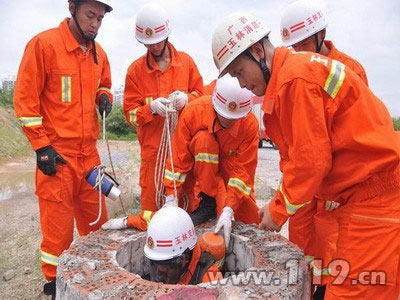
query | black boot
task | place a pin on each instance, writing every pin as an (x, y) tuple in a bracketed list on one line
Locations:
[(319, 293), (49, 288), (206, 210)]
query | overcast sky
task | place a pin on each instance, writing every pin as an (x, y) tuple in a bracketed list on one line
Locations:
[(365, 30)]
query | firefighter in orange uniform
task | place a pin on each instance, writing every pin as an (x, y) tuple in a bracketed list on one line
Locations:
[(162, 73), (313, 230), (216, 138), (63, 76), (339, 144), (215, 158)]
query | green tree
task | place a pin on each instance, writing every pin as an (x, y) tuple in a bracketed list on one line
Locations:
[(6, 98), (117, 128), (396, 123)]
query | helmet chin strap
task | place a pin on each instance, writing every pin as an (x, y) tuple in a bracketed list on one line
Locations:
[(85, 37), (262, 64), (319, 44)]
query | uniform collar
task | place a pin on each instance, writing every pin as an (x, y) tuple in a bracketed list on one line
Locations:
[(71, 44), (175, 59), (279, 58), (332, 49)]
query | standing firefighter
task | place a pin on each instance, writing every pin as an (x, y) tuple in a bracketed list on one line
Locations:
[(303, 27), (339, 144), (162, 73), (63, 76)]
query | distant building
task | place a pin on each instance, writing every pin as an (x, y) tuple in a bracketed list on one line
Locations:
[(8, 83), (119, 95)]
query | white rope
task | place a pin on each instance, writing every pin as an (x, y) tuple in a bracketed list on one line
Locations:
[(165, 151), (99, 181), (101, 173)]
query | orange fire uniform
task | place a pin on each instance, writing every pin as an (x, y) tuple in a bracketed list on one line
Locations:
[(211, 274), (312, 228), (205, 152), (209, 88), (146, 82), (338, 142), (56, 94)]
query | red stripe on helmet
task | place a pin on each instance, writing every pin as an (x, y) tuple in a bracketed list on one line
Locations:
[(298, 28), (299, 24), (220, 98), (223, 48), (244, 104), (159, 30), (159, 27)]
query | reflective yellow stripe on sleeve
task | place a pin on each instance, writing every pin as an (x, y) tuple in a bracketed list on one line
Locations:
[(49, 258), (147, 216), (133, 117), (291, 208), (207, 157), (148, 100), (103, 89), (179, 177), (66, 89), (30, 121), (240, 185), (335, 78)]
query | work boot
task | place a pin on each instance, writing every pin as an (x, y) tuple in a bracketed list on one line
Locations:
[(49, 289), (319, 293), (206, 210)]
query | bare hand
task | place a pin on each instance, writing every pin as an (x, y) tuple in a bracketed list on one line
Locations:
[(267, 223)]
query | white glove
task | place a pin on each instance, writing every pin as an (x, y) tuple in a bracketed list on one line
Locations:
[(119, 223), (170, 200), (225, 220), (159, 107), (179, 99)]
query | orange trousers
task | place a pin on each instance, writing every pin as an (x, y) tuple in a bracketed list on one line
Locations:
[(147, 186), (326, 233), (63, 198), (367, 261), (315, 230)]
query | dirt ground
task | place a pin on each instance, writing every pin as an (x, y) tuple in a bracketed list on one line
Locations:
[(20, 234)]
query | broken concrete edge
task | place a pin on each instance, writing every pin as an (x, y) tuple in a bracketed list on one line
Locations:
[(90, 268)]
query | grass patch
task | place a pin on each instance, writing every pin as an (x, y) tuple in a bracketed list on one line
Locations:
[(12, 140)]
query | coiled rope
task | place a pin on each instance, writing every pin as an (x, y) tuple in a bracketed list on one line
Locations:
[(165, 151)]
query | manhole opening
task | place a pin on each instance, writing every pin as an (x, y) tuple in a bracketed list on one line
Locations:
[(239, 257)]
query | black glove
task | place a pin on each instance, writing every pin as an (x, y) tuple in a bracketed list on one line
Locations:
[(47, 158), (104, 105)]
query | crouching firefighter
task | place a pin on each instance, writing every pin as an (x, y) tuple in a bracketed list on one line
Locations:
[(177, 255)]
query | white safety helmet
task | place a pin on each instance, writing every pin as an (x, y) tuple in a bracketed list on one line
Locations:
[(234, 35), (152, 25), (230, 100), (107, 3), (301, 20), (170, 233)]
